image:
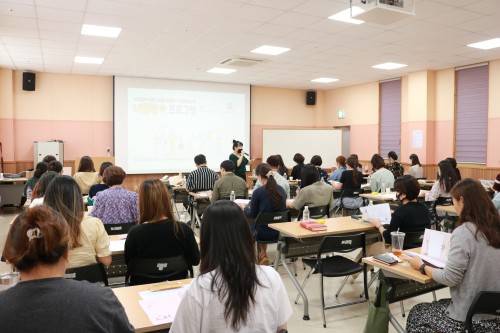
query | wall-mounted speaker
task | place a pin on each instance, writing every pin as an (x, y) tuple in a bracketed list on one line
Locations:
[(311, 98), (29, 81)]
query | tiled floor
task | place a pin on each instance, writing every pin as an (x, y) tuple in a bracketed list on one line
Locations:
[(346, 319)]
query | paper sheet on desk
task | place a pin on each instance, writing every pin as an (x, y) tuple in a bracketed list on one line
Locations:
[(161, 306), (242, 201), (117, 245), (381, 212)]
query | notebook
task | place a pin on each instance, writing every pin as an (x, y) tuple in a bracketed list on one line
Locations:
[(314, 226), (435, 248), (381, 212)]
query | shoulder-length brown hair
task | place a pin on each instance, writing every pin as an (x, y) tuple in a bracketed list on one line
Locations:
[(478, 209), (154, 202), (86, 164)]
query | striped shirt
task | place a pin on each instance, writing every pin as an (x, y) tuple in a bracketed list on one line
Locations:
[(201, 179)]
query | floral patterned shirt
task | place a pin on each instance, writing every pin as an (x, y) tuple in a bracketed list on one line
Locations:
[(116, 205)]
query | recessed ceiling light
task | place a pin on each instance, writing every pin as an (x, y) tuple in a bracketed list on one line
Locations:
[(345, 15), (89, 60), (324, 80), (272, 50), (389, 65), (97, 30), (487, 44), (218, 70)]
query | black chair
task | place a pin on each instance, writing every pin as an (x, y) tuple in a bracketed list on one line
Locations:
[(486, 302), (267, 218), (179, 196), (348, 193), (413, 239), (431, 206), (316, 212), (118, 228), (142, 271), (93, 273), (337, 265)]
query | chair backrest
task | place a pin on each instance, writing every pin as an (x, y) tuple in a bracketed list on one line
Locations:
[(179, 196), (342, 244), (413, 239), (93, 273), (486, 302), (431, 206), (266, 218), (316, 212), (118, 228), (141, 271), (442, 201)]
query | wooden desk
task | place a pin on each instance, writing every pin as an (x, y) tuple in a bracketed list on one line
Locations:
[(12, 191), (426, 184), (446, 209), (296, 241), (386, 197), (129, 297)]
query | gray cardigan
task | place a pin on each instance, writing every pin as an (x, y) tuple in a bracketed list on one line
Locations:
[(472, 266)]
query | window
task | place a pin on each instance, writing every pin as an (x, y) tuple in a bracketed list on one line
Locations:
[(390, 117), (472, 114)]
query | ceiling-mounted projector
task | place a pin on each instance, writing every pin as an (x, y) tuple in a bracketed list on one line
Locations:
[(382, 11)]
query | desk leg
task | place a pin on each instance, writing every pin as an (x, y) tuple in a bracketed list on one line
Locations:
[(194, 214), (396, 324), (297, 286)]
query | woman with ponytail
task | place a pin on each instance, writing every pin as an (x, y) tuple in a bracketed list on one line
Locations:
[(350, 180), (269, 198)]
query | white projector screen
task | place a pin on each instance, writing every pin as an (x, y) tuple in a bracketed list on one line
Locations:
[(326, 143), (161, 125)]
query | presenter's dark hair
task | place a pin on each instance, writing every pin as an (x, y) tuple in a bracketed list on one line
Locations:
[(113, 175), (64, 196), (316, 160), (237, 143), (299, 158), (103, 167), (353, 163), (200, 159), (377, 162), (407, 185), (414, 160), (227, 250), (393, 155), (26, 254), (271, 186), (478, 209), (86, 164), (43, 183), (55, 166), (49, 158), (227, 165), (41, 168), (448, 176), (310, 175)]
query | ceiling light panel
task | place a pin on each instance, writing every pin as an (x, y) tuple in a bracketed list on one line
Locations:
[(486, 44), (389, 65), (218, 70), (324, 80), (89, 60), (100, 31), (270, 50)]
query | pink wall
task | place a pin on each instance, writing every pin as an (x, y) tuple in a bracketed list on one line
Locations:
[(493, 151), (6, 135), (364, 140), (426, 154), (444, 139)]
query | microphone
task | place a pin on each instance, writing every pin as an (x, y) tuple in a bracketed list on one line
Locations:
[(246, 154)]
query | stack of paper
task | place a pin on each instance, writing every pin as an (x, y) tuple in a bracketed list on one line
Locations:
[(381, 212), (161, 306)]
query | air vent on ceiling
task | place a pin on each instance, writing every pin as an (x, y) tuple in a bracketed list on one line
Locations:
[(241, 62)]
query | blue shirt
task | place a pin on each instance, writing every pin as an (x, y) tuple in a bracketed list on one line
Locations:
[(336, 174)]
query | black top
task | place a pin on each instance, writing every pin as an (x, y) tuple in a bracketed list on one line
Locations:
[(297, 171), (262, 203), (157, 240), (414, 216), (94, 189), (61, 305), (347, 182)]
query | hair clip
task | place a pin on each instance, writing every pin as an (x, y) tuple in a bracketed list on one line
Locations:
[(270, 173), (34, 233)]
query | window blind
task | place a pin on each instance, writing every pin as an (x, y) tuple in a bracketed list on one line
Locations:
[(472, 114), (390, 117)]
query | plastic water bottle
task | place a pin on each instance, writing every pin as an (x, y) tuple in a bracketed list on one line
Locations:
[(232, 196), (305, 214), (382, 188), (29, 193)]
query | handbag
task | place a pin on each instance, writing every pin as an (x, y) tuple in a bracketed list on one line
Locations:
[(378, 311)]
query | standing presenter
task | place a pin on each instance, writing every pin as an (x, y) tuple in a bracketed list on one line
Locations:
[(239, 159)]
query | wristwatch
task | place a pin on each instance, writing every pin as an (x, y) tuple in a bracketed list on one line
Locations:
[(422, 268)]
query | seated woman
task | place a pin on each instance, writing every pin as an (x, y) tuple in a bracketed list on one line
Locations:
[(158, 234), (282, 169), (269, 198), (297, 169), (37, 246), (317, 161), (381, 177), (341, 167), (394, 166), (472, 265), (225, 298), (89, 242), (116, 204), (411, 215), (453, 163), (416, 169), (350, 180), (313, 192), (94, 189), (56, 166), (447, 179), (41, 187), (41, 168), (86, 175)]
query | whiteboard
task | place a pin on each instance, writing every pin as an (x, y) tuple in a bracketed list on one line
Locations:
[(326, 143)]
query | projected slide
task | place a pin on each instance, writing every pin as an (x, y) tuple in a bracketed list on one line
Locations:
[(160, 125)]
